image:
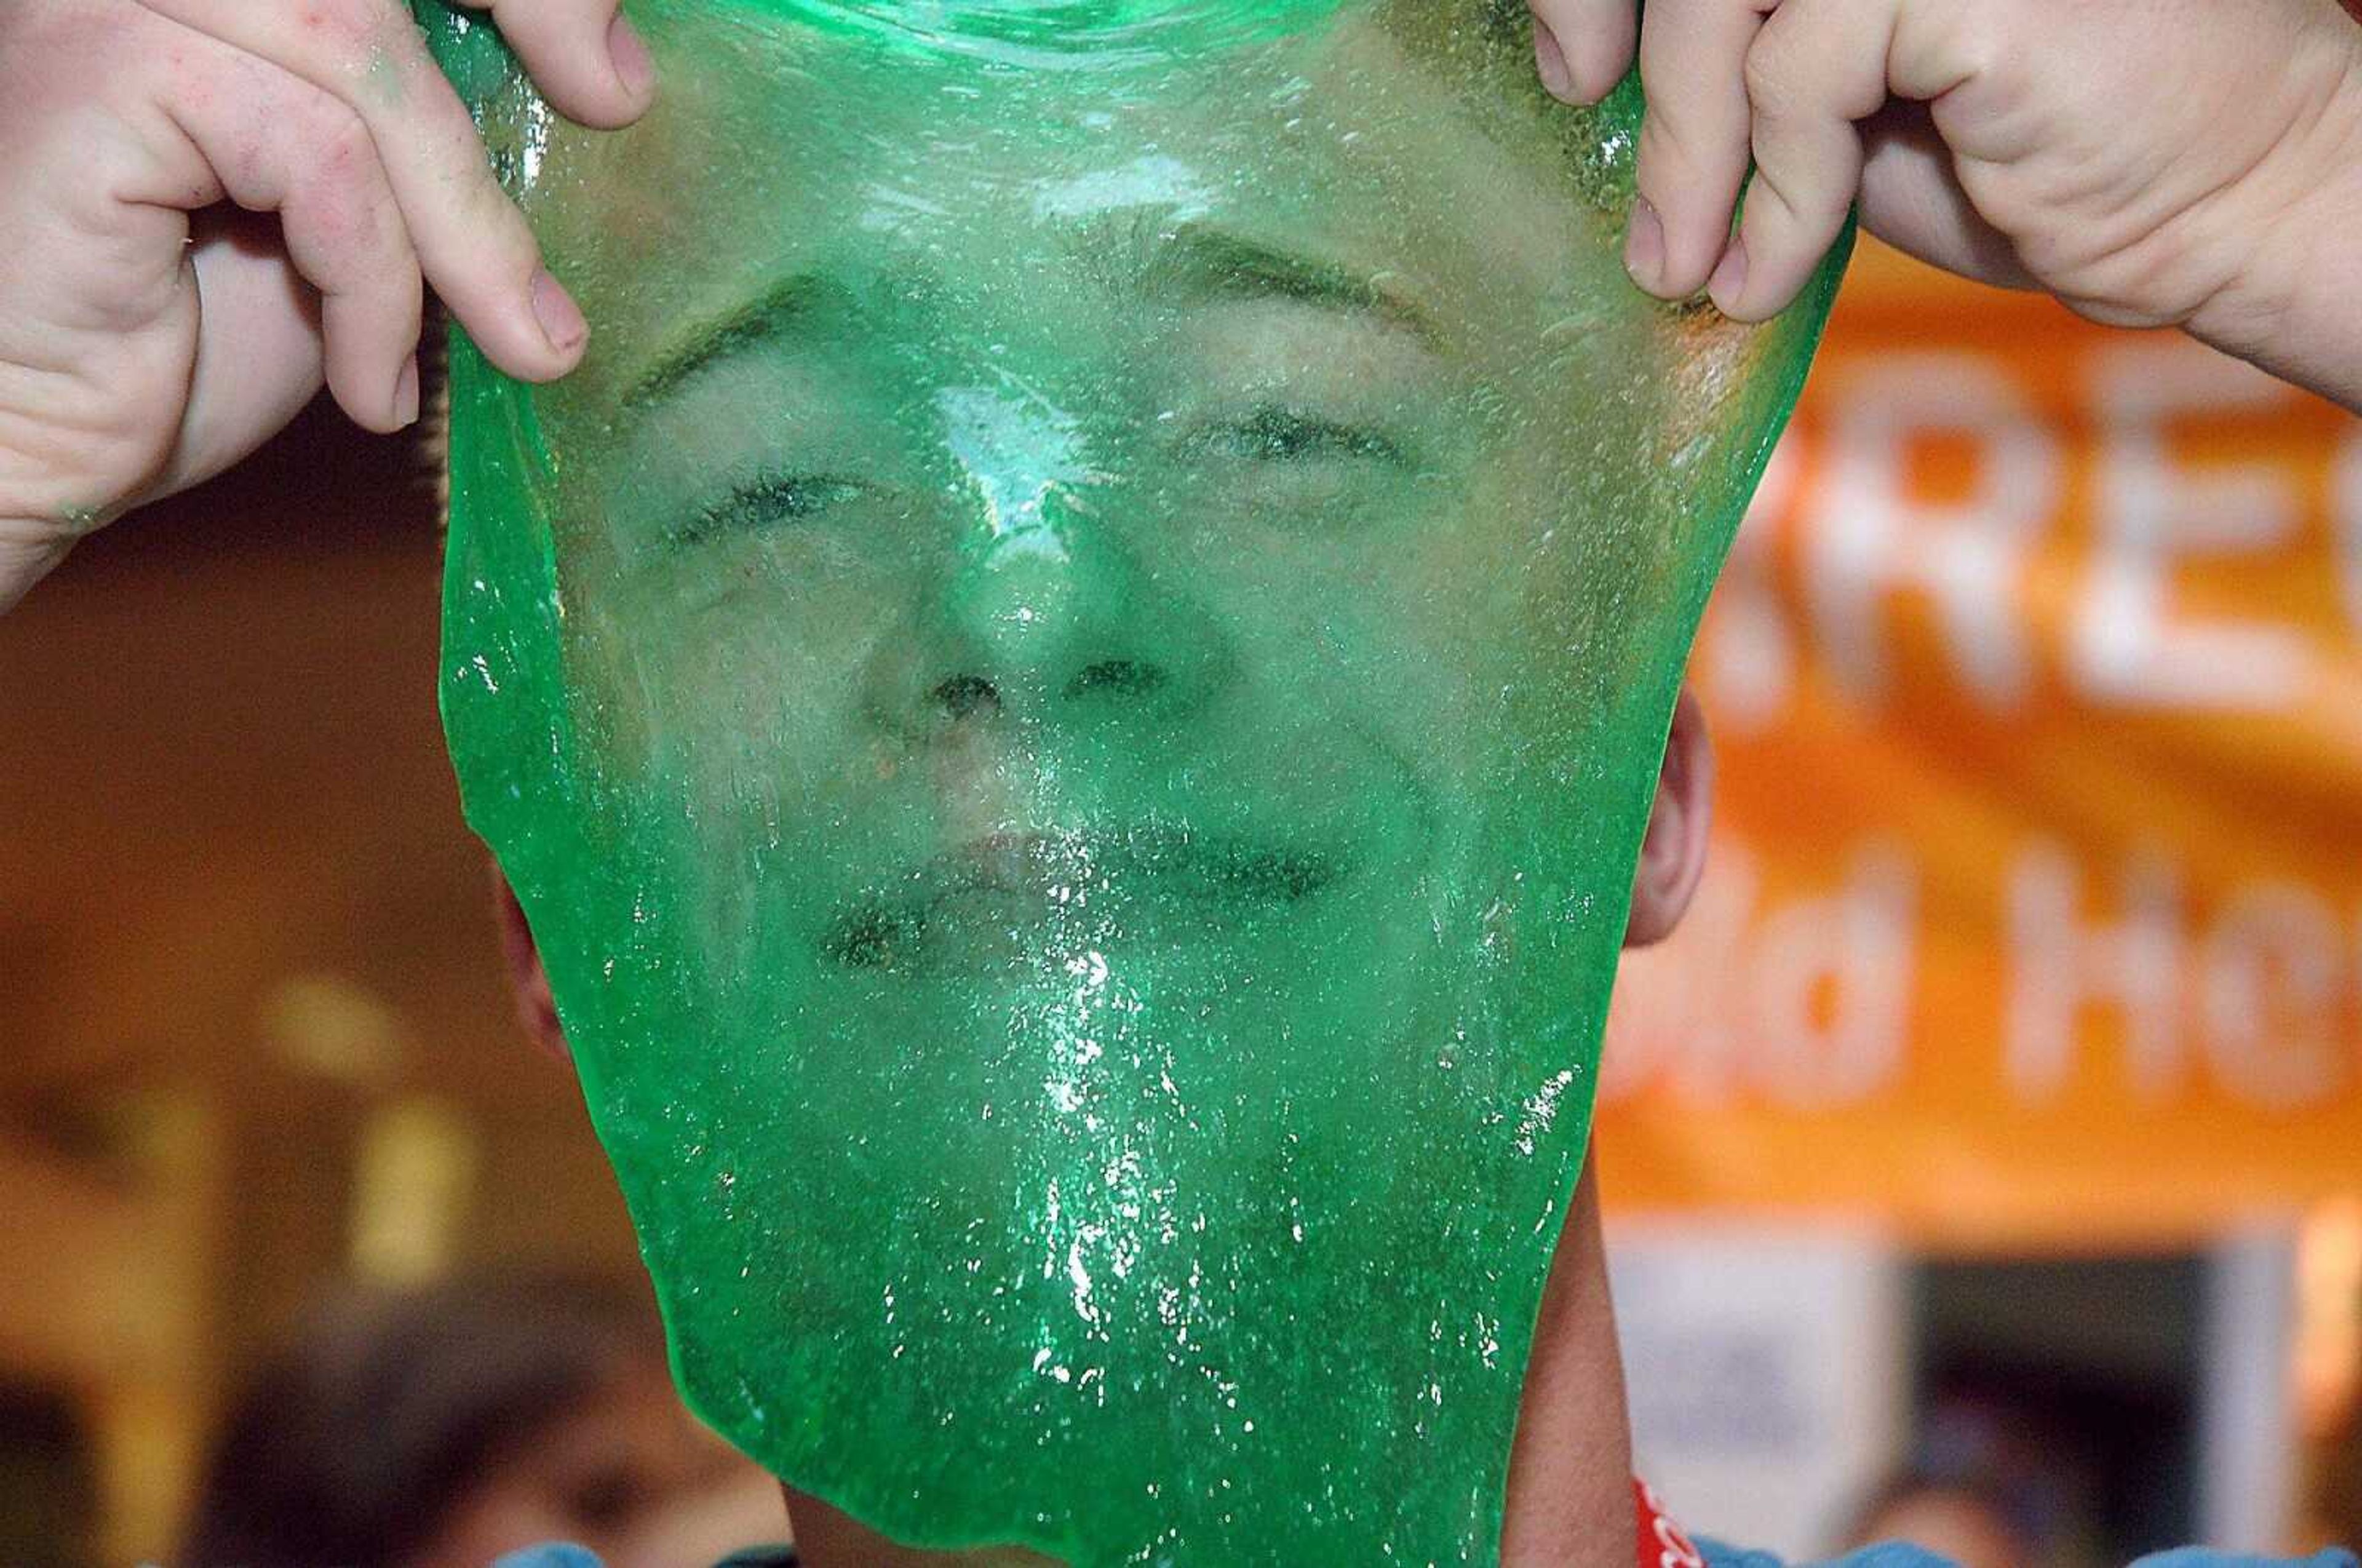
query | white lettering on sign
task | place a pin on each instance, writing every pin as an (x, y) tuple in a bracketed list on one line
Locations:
[(1747, 659), (2153, 513), (1803, 1002), (2060, 964), (2346, 506), (2256, 992), (1677, 1009), (1872, 534), (2271, 972), (1831, 986)]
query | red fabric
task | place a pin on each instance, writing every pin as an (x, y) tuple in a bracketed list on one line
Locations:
[(1660, 1541)]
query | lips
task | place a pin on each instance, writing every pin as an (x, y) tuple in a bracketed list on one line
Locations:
[(1077, 882)]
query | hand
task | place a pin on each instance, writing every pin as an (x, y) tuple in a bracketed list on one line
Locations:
[(210, 206), (2151, 162)]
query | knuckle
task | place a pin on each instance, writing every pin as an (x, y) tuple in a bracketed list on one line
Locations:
[(555, 32), (1672, 153), (340, 25), (491, 268), (1773, 203), (339, 151), (1803, 204), (342, 195), (397, 307), (499, 231), (1698, 136), (1771, 84)]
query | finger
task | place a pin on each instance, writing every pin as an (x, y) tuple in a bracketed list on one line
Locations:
[(259, 353), (345, 234), (279, 145), (470, 240), (584, 55), (1583, 48), (1817, 66), (1694, 144)]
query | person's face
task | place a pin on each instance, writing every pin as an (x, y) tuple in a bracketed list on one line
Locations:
[(1037, 545), (1956, 1526), (625, 1473), (1116, 615)]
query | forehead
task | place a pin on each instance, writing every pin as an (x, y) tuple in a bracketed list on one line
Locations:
[(778, 149)]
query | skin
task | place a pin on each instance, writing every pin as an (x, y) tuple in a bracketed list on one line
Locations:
[(124, 119), (1189, 564), (833, 756), (2021, 142), (1956, 1525), (626, 1473), (1569, 1497), (302, 167)]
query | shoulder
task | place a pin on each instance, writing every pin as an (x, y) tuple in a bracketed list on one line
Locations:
[(564, 1556), (2197, 1557), (1891, 1554), (1896, 1555)]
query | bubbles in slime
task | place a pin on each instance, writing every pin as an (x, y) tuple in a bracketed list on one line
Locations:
[(1071, 692)]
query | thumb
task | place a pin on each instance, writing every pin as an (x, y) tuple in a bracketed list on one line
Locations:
[(257, 359), (1912, 198)]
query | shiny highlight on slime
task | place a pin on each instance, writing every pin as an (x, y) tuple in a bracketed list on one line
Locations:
[(1071, 692)]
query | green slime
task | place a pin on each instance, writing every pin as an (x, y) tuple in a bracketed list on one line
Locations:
[(1071, 693)]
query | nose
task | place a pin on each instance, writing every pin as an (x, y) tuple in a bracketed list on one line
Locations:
[(1059, 627)]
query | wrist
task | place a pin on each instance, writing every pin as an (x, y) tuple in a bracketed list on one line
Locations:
[(48, 501), (2295, 305), (30, 548), (36, 532)]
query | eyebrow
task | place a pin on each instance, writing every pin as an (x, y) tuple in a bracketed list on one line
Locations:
[(782, 310), (1194, 261), (1200, 262)]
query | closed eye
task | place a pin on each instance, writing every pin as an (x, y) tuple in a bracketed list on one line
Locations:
[(767, 502), (1277, 433)]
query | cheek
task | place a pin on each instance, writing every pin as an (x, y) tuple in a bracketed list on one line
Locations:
[(1509, 622), (1459, 585), (1404, 634), (742, 658)]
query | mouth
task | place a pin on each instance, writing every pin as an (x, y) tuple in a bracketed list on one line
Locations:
[(1027, 888)]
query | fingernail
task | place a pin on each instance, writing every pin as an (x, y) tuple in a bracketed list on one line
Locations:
[(628, 52), (1644, 245), (1551, 60), (1730, 280), (561, 317), (405, 395)]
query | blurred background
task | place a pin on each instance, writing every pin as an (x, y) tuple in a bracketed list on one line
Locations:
[(1984, 1157)]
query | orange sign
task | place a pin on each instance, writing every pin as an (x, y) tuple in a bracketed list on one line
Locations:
[(2035, 913)]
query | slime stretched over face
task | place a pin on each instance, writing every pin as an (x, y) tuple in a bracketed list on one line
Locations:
[(1071, 692)]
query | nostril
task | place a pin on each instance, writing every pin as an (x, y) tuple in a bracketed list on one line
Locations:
[(964, 694), (1116, 678)]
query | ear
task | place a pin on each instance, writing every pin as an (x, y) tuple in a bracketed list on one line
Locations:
[(536, 1009), (1673, 851)]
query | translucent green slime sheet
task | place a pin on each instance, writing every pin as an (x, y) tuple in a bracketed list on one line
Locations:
[(1071, 692)]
